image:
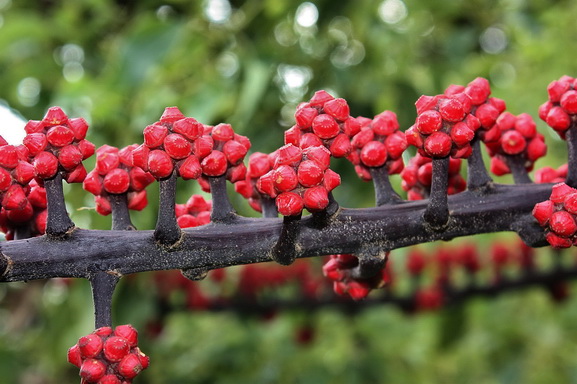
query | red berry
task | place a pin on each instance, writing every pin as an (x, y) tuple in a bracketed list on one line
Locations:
[(234, 151), (258, 164), (461, 134), (236, 173), (536, 149), (203, 146), (293, 135), (79, 126), (396, 144), (130, 366), (90, 345), (35, 142), (145, 360), (309, 140), (171, 115), (128, 332), (304, 116), (102, 205), (557, 241), (452, 110), (556, 89), (320, 155), (116, 181), (289, 204), (109, 379), (438, 145), (374, 154), (154, 135), (92, 370), (92, 183), (385, 123), (331, 180), (309, 173), (562, 223), (558, 119), (414, 137), (316, 198), (340, 146), (513, 142), (106, 161), (569, 102), (288, 155), (70, 157), (320, 98), (543, 211), (569, 203), (425, 103), (559, 191), (265, 184), (45, 165), (284, 178), (325, 127), (487, 115), (351, 126), (190, 168), (478, 90), (429, 122), (139, 179), (74, 356), (116, 348), (358, 290), (223, 132), (188, 127), (214, 164), (59, 136), (86, 148), (140, 157), (159, 164), (177, 146), (8, 156), (525, 125), (137, 200), (55, 116), (34, 126), (337, 108), (362, 138), (5, 179)]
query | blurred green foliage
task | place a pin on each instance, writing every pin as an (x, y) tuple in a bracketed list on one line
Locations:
[(249, 63)]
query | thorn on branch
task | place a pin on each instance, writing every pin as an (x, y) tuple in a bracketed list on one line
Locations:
[(58, 222), (222, 210), (167, 231), (384, 192), (437, 211), (285, 250)]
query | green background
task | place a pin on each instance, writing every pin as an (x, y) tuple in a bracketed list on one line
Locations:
[(119, 63)]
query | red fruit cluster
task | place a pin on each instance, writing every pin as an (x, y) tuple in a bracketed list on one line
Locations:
[(378, 143), (57, 144), (338, 269), (258, 165), (108, 356), (551, 175), (323, 121), (195, 212), (560, 110), (300, 178), (114, 174), (444, 126), (557, 215), (418, 175), (518, 137), (31, 215)]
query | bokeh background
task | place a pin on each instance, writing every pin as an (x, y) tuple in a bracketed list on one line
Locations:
[(119, 63)]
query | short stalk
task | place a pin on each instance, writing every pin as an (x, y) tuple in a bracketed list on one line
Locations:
[(167, 231), (285, 250), (103, 284), (321, 219), (572, 155), (384, 192), (478, 177), (517, 166), (58, 222), (22, 232), (120, 213), (268, 206), (437, 211), (371, 263), (222, 210)]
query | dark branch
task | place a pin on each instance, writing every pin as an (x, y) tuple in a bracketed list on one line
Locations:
[(517, 166), (285, 251), (437, 212), (167, 231), (572, 155), (384, 192), (505, 208)]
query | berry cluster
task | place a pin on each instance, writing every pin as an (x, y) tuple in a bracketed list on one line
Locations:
[(551, 175), (417, 177), (444, 126), (518, 137), (560, 110), (338, 269), (32, 214), (114, 174), (323, 121), (300, 178), (57, 143), (258, 164), (557, 215), (108, 356), (195, 212), (378, 143)]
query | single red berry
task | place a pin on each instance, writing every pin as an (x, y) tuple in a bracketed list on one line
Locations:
[(340, 146), (74, 356), (130, 366), (137, 201), (304, 116), (154, 135), (258, 164), (177, 146), (203, 146), (160, 164), (569, 203), (285, 178), (116, 181), (557, 241), (129, 333), (34, 126), (358, 289), (5, 180), (320, 98), (190, 168), (414, 137), (331, 180), (374, 154), (425, 103), (45, 165), (478, 90), (236, 173), (429, 122), (309, 140), (452, 110), (90, 345), (293, 135), (115, 348), (214, 164), (337, 108), (513, 142), (92, 183), (145, 360), (140, 157), (385, 123), (351, 126), (525, 125), (222, 132), (35, 142), (316, 198), (92, 370), (558, 119), (487, 115), (559, 191), (79, 126), (139, 179), (396, 144), (425, 174), (23, 173), (288, 155), (556, 89), (536, 148), (461, 134), (289, 204), (171, 115), (265, 184), (55, 116), (234, 151), (109, 379), (8, 156), (59, 136), (86, 148), (103, 331), (70, 157), (438, 145), (543, 211), (106, 161), (188, 127), (562, 223), (102, 205), (569, 102), (309, 173), (325, 127), (499, 167)]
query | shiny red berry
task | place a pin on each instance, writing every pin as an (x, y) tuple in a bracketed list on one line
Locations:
[(154, 135), (45, 165), (160, 164), (337, 108), (289, 204), (325, 127), (214, 164), (177, 146), (92, 370), (116, 181)]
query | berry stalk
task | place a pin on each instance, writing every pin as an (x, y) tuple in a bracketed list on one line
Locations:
[(268, 205), (572, 156), (384, 192), (437, 212), (285, 250), (517, 166), (371, 263), (103, 284), (120, 213), (477, 175), (167, 231), (222, 209), (58, 222)]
